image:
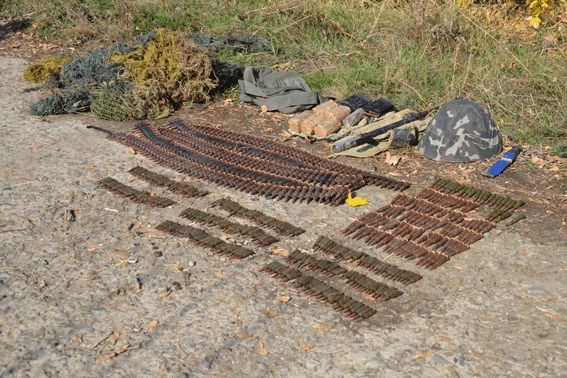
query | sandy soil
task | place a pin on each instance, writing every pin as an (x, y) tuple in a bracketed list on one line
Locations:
[(107, 295)]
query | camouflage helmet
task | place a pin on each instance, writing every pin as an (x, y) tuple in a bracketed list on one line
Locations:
[(461, 131)]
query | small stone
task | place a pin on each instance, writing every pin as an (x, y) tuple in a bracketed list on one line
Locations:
[(459, 360), (439, 360), (181, 375), (192, 263), (186, 278), (158, 254), (70, 215)]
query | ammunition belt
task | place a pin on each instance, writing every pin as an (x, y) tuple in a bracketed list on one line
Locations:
[(186, 163), (202, 238), (318, 289), (376, 290), (293, 155), (243, 157), (209, 219), (373, 264), (117, 187), (235, 209), (251, 164), (477, 195), (166, 182)]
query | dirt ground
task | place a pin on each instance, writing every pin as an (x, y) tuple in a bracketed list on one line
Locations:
[(107, 295)]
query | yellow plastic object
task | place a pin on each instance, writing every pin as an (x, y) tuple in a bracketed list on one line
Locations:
[(356, 201)]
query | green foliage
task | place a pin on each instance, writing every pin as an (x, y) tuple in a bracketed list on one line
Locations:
[(417, 53)]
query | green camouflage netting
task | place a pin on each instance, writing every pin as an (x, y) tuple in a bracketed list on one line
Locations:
[(116, 103), (148, 78)]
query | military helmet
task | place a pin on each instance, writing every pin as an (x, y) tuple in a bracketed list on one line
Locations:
[(461, 131)]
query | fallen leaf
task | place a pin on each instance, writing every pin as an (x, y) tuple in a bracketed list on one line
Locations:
[(283, 298), (177, 267), (114, 304), (325, 326), (262, 351), (152, 324), (538, 161), (114, 337), (165, 293), (120, 255), (306, 348), (368, 297), (78, 337), (552, 315), (446, 338), (392, 160), (271, 312), (422, 355), (235, 319), (118, 351), (137, 286), (94, 246), (278, 250), (283, 66), (218, 272)]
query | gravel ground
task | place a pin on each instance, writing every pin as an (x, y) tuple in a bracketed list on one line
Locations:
[(107, 295)]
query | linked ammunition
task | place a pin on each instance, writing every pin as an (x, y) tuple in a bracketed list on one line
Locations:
[(208, 219), (164, 181), (202, 238), (373, 264), (320, 290), (117, 187), (261, 219)]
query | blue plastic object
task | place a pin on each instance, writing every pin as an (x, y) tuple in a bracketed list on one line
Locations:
[(507, 159)]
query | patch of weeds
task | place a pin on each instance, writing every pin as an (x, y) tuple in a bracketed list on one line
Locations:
[(560, 150)]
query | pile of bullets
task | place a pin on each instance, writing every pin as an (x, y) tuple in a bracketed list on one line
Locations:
[(261, 219), (432, 226), (213, 220), (203, 239), (164, 181), (117, 187), (250, 164), (318, 289)]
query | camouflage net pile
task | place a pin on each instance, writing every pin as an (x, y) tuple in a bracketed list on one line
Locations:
[(39, 71), (147, 79)]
